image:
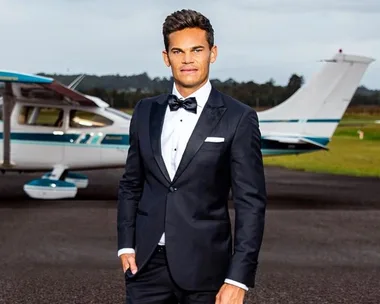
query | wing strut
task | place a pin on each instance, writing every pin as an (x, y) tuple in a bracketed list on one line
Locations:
[(8, 102), (7, 108)]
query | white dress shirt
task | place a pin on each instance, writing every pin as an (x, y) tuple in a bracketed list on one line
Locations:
[(176, 131)]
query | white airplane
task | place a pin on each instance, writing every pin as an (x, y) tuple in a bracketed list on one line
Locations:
[(46, 126)]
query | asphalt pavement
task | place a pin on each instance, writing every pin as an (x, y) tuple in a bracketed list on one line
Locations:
[(321, 242)]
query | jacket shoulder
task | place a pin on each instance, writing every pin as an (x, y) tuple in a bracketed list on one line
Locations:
[(235, 105), (156, 98), (145, 103)]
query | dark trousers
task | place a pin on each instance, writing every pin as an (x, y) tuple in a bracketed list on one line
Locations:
[(154, 285)]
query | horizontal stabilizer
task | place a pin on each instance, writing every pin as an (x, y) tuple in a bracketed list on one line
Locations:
[(297, 142), (315, 143), (283, 139)]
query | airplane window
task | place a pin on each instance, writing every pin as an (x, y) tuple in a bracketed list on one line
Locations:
[(39, 116), (83, 119)]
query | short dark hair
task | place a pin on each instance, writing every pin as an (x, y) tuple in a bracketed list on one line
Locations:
[(186, 18)]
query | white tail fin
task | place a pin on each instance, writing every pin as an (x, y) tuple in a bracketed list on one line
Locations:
[(314, 111)]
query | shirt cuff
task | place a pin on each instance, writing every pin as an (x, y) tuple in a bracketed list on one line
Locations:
[(232, 282), (125, 250)]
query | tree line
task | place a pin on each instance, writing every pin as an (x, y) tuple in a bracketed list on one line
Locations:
[(126, 91)]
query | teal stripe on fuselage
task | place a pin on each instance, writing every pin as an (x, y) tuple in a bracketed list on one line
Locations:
[(115, 139), (269, 152), (299, 120), (44, 137), (49, 138), (95, 139), (320, 140), (73, 145), (324, 120), (109, 139), (121, 141), (85, 139)]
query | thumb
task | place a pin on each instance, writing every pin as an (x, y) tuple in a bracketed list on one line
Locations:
[(132, 264), (217, 298)]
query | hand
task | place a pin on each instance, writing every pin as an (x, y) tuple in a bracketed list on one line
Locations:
[(128, 261), (230, 294)]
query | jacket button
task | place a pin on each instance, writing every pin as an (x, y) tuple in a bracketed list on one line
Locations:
[(172, 189)]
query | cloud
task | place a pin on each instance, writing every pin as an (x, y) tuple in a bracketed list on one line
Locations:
[(257, 40), (307, 6)]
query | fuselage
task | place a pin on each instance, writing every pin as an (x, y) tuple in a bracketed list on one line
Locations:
[(43, 136)]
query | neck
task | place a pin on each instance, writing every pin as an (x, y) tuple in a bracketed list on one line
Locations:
[(186, 91)]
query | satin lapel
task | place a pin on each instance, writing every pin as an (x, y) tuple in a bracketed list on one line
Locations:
[(157, 116), (211, 114)]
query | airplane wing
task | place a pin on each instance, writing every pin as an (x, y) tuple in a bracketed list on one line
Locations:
[(34, 88)]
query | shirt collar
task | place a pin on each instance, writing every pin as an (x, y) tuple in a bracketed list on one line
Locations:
[(201, 94)]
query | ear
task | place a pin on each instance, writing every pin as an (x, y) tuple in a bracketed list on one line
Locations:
[(165, 56), (213, 54)]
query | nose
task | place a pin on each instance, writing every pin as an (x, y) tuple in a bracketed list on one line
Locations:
[(187, 58)]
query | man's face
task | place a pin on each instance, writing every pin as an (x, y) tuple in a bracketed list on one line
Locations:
[(189, 56)]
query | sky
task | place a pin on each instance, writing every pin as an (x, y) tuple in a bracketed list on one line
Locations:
[(257, 40)]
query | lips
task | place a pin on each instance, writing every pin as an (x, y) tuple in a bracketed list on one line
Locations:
[(189, 70)]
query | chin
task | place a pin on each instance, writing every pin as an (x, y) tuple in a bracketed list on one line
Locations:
[(189, 82)]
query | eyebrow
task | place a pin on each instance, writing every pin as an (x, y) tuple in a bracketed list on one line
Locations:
[(192, 48)]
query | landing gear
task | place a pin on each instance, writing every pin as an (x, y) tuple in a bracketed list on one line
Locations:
[(57, 184), (79, 180), (45, 188)]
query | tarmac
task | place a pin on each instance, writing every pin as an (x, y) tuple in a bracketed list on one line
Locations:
[(321, 242)]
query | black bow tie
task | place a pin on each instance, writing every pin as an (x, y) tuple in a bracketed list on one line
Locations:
[(189, 104)]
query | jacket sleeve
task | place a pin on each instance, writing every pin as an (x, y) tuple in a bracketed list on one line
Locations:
[(249, 198), (130, 187)]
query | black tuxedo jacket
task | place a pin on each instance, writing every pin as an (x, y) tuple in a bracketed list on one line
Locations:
[(192, 208)]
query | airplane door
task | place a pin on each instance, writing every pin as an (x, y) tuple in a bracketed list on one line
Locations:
[(83, 150), (37, 136)]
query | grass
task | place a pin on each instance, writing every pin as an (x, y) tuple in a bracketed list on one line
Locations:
[(371, 132), (364, 118), (128, 111), (346, 156)]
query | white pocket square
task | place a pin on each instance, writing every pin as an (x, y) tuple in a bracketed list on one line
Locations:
[(214, 139)]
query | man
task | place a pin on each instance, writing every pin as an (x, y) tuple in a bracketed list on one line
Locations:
[(186, 150)]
